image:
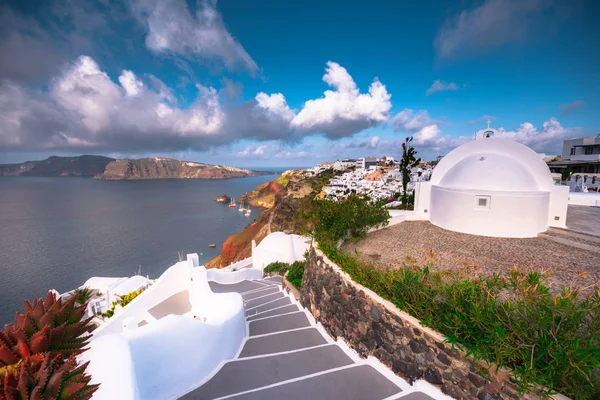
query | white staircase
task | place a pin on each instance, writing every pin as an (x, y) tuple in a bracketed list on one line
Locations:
[(287, 356)]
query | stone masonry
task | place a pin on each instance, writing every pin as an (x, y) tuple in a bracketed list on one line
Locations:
[(375, 327)]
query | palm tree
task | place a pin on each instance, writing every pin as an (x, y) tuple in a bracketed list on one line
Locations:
[(407, 162), (83, 295)]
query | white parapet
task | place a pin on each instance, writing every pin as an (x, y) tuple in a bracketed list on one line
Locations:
[(156, 349)]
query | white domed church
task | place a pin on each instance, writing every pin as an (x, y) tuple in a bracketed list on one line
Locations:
[(492, 187)]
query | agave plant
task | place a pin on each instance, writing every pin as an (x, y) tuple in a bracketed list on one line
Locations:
[(47, 326), (50, 378)]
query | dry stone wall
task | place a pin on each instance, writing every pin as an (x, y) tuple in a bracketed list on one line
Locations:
[(375, 327)]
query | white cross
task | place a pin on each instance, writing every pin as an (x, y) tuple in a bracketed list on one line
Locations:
[(489, 121)]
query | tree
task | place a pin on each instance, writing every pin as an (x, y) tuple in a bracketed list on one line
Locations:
[(407, 162)]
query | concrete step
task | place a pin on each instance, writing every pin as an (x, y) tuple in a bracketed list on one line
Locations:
[(278, 324), (274, 279), (572, 243), (251, 373), (277, 311), (284, 341), (264, 299), (577, 235), (284, 301), (241, 287), (360, 382), (261, 292), (416, 395)]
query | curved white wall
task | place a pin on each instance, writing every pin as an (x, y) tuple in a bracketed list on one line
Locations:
[(226, 277), (510, 214)]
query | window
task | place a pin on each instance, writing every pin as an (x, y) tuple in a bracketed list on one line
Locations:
[(589, 150), (572, 151), (482, 202)]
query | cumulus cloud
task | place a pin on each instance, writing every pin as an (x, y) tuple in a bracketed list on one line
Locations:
[(441, 86), (494, 23), (253, 151), (568, 108), (343, 111), (85, 108), (547, 140), (130, 83), (171, 28)]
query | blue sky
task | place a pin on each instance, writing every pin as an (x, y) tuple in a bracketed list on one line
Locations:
[(244, 83)]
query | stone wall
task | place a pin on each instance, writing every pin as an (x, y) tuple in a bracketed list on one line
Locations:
[(375, 327)]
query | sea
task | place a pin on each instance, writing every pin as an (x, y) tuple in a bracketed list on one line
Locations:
[(55, 233)]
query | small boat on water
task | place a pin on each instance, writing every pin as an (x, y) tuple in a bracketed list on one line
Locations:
[(242, 209), (212, 245), (248, 212), (232, 203)]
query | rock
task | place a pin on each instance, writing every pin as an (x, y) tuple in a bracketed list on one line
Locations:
[(223, 199), (452, 390), (418, 345), (433, 376), (167, 168), (477, 380), (444, 359), (483, 395)]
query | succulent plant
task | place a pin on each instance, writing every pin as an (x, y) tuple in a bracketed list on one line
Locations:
[(47, 326), (49, 378)]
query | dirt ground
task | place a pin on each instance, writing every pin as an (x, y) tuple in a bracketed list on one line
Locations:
[(421, 240)]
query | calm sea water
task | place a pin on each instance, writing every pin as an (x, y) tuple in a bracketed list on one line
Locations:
[(58, 232)]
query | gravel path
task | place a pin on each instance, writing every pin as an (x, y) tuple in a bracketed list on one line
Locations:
[(450, 250)]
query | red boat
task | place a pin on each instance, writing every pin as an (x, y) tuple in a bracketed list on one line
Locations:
[(231, 204)]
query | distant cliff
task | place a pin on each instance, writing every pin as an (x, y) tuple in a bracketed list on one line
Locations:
[(167, 168), (281, 198), (87, 166)]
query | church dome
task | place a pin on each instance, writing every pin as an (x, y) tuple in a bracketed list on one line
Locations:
[(489, 171), (493, 164)]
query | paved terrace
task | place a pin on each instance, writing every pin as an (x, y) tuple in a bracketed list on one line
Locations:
[(561, 252), (287, 357)]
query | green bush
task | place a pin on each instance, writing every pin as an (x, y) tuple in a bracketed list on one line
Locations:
[(513, 321), (125, 299), (278, 267), (329, 221), (296, 271)]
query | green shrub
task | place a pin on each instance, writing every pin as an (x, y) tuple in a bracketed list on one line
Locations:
[(329, 221), (125, 299), (296, 271), (547, 340), (277, 267)]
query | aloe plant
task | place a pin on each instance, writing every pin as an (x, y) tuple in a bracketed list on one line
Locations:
[(47, 326), (50, 378)]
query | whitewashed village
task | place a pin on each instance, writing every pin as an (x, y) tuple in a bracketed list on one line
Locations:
[(242, 333)]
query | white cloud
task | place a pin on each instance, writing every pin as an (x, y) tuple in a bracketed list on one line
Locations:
[(275, 105), (548, 140), (87, 90), (86, 107), (411, 121), (172, 28), (343, 111), (253, 151), (130, 83), (496, 22), (441, 86)]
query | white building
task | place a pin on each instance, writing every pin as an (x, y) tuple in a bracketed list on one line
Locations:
[(360, 163), (492, 187)]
